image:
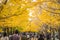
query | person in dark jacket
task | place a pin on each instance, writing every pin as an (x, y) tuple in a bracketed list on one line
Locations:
[(15, 36), (48, 36), (41, 37)]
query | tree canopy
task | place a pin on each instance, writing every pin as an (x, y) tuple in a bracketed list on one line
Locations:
[(29, 14)]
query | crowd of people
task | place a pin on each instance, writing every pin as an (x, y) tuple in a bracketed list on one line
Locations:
[(25, 36)]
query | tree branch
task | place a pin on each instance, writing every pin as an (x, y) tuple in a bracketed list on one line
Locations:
[(47, 9), (3, 18)]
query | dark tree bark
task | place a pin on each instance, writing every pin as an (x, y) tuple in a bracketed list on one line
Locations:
[(59, 33), (53, 34)]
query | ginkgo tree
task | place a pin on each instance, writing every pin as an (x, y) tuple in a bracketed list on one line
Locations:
[(15, 13)]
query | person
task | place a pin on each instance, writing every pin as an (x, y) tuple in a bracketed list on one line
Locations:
[(41, 37), (28, 36), (0, 36), (15, 36), (10, 37), (4, 37), (48, 36)]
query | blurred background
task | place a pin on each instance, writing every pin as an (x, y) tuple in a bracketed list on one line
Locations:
[(30, 16)]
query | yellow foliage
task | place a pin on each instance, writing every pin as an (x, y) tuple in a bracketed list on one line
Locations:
[(17, 13)]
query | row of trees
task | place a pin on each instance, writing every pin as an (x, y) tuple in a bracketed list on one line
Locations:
[(15, 13)]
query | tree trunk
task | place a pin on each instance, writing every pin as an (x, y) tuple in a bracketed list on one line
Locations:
[(53, 34), (59, 33)]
